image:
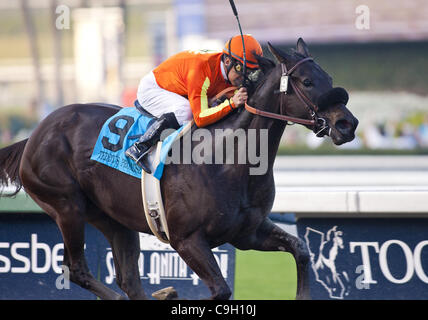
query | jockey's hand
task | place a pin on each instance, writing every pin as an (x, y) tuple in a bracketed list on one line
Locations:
[(240, 97)]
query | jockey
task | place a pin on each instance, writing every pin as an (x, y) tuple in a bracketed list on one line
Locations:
[(178, 90)]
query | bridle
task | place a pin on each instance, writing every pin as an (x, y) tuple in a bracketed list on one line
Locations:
[(319, 124)]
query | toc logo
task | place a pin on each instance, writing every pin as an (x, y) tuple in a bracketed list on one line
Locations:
[(413, 260), (383, 261)]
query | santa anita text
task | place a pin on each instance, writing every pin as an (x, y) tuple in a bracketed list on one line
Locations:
[(221, 309), (228, 145)]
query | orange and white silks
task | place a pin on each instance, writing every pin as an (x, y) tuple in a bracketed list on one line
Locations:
[(197, 76)]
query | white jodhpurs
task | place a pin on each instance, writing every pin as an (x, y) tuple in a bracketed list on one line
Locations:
[(158, 101)]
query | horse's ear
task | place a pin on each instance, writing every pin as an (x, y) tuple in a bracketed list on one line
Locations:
[(302, 48), (279, 55), (264, 63)]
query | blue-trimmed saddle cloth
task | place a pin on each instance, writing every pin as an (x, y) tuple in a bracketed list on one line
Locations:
[(119, 133)]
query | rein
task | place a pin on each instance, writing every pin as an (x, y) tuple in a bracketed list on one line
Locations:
[(285, 80), (313, 108)]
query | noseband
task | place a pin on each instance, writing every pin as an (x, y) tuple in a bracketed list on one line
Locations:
[(319, 124)]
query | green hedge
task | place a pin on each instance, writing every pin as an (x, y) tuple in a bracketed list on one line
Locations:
[(400, 66)]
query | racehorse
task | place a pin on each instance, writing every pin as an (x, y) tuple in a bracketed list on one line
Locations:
[(206, 205)]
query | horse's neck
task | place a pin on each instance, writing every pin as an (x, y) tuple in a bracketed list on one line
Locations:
[(274, 129)]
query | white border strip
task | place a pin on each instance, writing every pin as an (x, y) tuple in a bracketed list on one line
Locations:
[(405, 200)]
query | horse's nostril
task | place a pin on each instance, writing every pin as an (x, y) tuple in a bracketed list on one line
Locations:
[(344, 126)]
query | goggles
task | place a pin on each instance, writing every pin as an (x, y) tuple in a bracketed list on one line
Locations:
[(251, 74)]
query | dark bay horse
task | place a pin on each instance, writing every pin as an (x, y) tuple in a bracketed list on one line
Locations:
[(206, 205)]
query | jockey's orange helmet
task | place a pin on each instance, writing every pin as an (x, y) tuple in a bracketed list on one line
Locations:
[(234, 48)]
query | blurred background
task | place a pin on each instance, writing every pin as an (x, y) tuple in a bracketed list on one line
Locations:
[(58, 52)]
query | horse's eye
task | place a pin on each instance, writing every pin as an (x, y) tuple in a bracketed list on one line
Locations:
[(307, 83)]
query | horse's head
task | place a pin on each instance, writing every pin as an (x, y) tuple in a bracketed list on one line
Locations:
[(307, 94)]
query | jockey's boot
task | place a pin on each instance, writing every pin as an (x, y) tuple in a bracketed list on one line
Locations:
[(140, 149)]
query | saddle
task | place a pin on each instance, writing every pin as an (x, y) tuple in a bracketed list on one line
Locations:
[(117, 134)]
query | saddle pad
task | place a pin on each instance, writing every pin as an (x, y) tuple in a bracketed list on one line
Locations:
[(118, 133)]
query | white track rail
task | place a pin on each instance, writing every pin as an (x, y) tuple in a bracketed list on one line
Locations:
[(349, 186)]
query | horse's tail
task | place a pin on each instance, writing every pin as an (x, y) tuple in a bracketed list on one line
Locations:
[(10, 159)]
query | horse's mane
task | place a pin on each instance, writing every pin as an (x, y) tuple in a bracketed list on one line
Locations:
[(261, 79), (258, 83)]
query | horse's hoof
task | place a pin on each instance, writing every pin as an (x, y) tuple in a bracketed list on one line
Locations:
[(168, 293)]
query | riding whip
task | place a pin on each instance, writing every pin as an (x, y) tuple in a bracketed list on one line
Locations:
[(235, 12)]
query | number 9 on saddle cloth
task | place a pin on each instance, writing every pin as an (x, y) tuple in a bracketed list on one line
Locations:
[(134, 128)]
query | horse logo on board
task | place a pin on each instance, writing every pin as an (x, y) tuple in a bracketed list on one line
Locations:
[(323, 250)]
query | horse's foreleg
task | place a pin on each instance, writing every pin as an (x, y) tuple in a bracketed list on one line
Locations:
[(270, 237), (196, 252)]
